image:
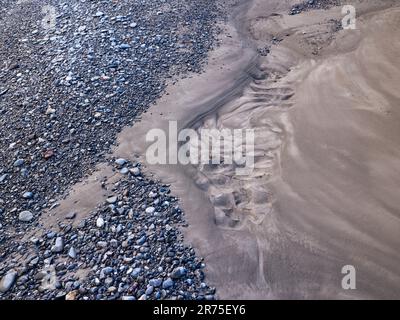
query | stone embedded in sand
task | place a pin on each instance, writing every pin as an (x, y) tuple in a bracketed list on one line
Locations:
[(167, 283), (27, 195), (100, 222), (124, 171), (120, 161), (58, 246)]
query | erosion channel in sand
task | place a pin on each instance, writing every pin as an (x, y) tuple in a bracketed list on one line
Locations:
[(324, 104)]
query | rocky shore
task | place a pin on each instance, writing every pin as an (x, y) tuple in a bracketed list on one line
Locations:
[(129, 248)]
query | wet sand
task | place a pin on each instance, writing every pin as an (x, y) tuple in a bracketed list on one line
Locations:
[(324, 106)]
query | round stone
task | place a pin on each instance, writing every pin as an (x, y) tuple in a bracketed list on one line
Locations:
[(100, 222), (120, 161)]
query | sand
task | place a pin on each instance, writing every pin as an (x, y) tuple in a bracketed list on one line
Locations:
[(324, 192)]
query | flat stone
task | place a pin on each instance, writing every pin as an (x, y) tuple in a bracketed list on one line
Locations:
[(135, 171), (150, 210), (72, 253), (120, 161), (155, 282), (167, 283), (3, 177), (124, 46), (102, 244)]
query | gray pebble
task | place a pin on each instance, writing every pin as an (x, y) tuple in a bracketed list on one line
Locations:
[(135, 171), (72, 253), (120, 161), (112, 200), (149, 290), (124, 171), (27, 195), (19, 162), (150, 210), (167, 283), (178, 273), (25, 216), (155, 282), (71, 215), (100, 222)]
